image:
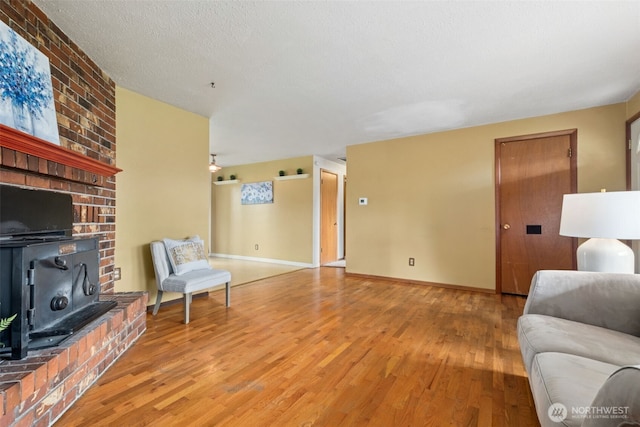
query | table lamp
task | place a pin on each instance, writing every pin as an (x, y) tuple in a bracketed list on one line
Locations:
[(603, 218)]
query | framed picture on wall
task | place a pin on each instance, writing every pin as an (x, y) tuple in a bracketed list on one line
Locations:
[(256, 193), (26, 93)]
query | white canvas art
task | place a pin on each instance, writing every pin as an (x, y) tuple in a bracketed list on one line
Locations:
[(257, 193), (26, 93)]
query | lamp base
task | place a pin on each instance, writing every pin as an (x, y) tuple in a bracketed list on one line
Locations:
[(605, 255)]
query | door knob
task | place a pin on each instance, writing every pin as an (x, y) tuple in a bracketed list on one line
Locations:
[(506, 226)]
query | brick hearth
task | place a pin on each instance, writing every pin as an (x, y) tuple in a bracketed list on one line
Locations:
[(37, 390)]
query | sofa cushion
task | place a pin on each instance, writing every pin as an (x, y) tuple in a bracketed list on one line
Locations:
[(567, 382), (538, 333), (617, 403), (608, 300)]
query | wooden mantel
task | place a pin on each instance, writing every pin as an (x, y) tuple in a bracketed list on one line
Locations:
[(29, 144)]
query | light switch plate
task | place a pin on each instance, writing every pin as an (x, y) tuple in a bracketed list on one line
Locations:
[(363, 201)]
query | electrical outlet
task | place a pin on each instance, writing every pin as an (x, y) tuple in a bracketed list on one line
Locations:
[(412, 262), (117, 273)]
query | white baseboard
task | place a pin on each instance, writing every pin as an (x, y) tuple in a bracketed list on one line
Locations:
[(269, 260)]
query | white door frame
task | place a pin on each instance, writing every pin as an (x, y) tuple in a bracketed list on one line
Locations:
[(340, 170), (633, 181)]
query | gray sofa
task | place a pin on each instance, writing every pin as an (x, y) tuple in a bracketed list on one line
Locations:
[(580, 341)]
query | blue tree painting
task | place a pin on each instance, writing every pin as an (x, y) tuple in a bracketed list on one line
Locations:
[(26, 93)]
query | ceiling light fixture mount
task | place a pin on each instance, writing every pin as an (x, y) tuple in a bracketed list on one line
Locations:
[(213, 168)]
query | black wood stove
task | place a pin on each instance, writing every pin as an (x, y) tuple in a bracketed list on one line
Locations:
[(48, 279)]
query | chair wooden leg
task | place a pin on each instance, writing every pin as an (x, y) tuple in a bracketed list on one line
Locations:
[(227, 288), (187, 304), (158, 302)]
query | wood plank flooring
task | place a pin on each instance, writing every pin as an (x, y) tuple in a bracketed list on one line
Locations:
[(316, 348)]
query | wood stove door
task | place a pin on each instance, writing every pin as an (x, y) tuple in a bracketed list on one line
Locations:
[(62, 284), (86, 280), (52, 291)]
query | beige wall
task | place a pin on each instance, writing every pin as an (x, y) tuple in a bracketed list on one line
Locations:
[(282, 230), (163, 190), (431, 197), (633, 105)]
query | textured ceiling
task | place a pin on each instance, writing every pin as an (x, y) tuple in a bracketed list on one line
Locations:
[(305, 77)]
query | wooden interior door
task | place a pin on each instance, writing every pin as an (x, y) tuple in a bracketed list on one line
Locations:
[(328, 217), (532, 174)]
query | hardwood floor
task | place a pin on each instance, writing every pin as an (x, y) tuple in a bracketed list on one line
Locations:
[(316, 348), (244, 271)]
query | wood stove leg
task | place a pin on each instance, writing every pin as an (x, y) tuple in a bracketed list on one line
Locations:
[(158, 302)]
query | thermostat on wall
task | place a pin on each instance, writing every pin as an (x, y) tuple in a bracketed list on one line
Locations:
[(362, 201)]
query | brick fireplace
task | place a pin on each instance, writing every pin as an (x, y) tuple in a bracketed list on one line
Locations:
[(85, 109), (37, 389)]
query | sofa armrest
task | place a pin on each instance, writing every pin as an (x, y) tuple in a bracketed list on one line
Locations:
[(608, 300), (618, 400)]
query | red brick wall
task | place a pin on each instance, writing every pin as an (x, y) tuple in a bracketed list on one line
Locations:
[(85, 106)]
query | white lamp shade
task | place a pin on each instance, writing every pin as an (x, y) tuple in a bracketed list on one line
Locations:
[(610, 215)]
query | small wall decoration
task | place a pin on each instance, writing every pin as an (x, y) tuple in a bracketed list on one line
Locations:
[(26, 93), (256, 193)]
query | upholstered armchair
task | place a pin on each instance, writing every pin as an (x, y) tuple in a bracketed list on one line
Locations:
[(182, 266)]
